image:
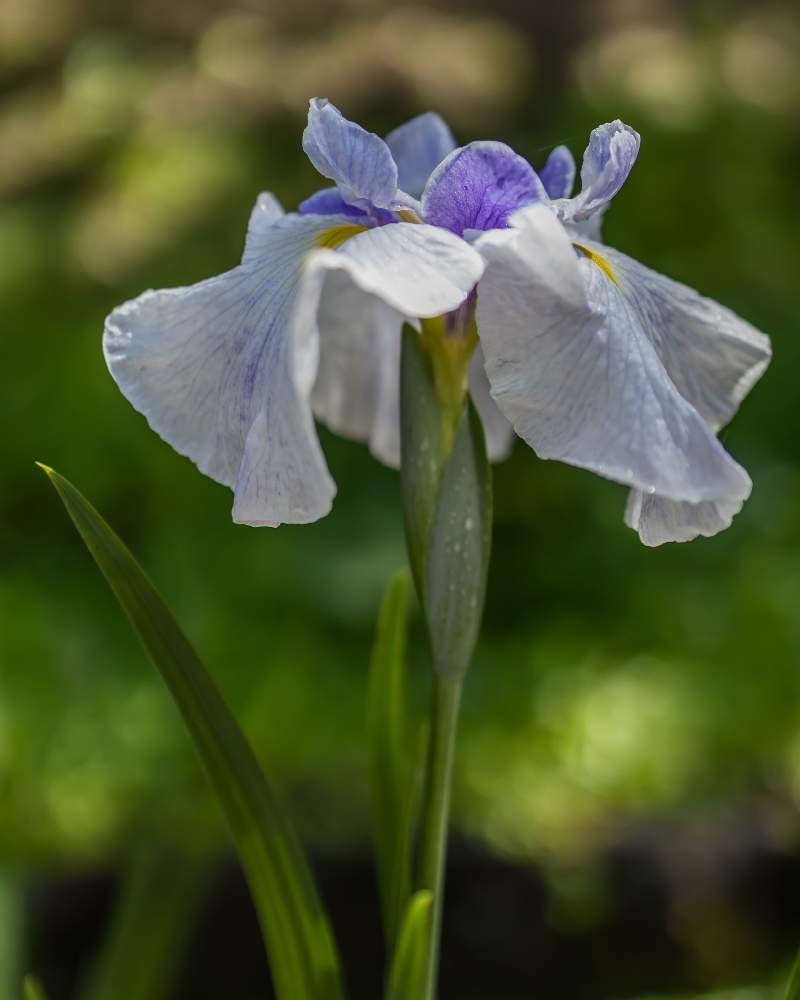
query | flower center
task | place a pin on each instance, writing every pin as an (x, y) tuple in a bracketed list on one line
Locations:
[(334, 237)]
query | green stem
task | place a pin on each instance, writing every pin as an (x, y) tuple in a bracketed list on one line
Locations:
[(436, 810)]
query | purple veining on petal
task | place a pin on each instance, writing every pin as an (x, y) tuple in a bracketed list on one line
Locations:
[(329, 201), (558, 174), (478, 187), (608, 160), (358, 161)]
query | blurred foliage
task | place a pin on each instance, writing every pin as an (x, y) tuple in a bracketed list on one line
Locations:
[(613, 684)]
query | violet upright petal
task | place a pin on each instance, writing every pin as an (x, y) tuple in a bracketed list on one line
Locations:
[(418, 147), (478, 187), (558, 174), (358, 161), (608, 160)]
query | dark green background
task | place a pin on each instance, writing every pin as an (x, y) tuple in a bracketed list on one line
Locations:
[(620, 694)]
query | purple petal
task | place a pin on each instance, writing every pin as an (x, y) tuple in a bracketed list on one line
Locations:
[(358, 161), (608, 160), (418, 147), (329, 201), (478, 187), (558, 174)]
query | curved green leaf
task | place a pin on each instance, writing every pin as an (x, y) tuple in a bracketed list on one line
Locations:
[(408, 975), (149, 929), (302, 953), (33, 989), (391, 757), (793, 986), (12, 931)]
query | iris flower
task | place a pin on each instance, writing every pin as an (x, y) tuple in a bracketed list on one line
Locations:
[(589, 356)]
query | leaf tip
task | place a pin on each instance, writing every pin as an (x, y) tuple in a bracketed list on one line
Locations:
[(45, 468)]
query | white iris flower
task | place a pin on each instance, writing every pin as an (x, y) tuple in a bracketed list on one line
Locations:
[(592, 358)]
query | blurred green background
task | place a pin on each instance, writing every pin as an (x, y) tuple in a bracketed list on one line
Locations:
[(627, 790)]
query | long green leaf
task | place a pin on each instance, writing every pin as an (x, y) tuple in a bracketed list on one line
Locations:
[(408, 973), (12, 931), (149, 928), (793, 986), (302, 953), (33, 989), (391, 757)]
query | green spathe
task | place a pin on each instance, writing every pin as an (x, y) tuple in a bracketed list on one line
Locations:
[(447, 500)]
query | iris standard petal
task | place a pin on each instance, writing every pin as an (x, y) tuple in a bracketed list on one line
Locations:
[(712, 355), (499, 432), (571, 363), (356, 392), (658, 520), (608, 160), (223, 370), (418, 147), (419, 270), (358, 161), (558, 174), (479, 187)]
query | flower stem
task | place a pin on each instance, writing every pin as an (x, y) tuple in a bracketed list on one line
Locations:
[(436, 810)]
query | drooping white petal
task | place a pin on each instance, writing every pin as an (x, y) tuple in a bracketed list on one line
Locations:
[(419, 270), (499, 432), (658, 520), (358, 161), (356, 392), (376, 280), (418, 147), (223, 370), (712, 355), (571, 362)]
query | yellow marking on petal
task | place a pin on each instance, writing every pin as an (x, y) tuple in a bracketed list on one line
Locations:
[(408, 216), (598, 261), (334, 237)]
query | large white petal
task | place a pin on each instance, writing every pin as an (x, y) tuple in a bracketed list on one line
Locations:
[(712, 355), (356, 392), (376, 280), (223, 370), (419, 270), (499, 432), (659, 520), (571, 363)]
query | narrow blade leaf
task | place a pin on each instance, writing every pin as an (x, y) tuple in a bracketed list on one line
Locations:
[(12, 931), (391, 757), (33, 989), (407, 977), (303, 957), (793, 986), (149, 928)]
